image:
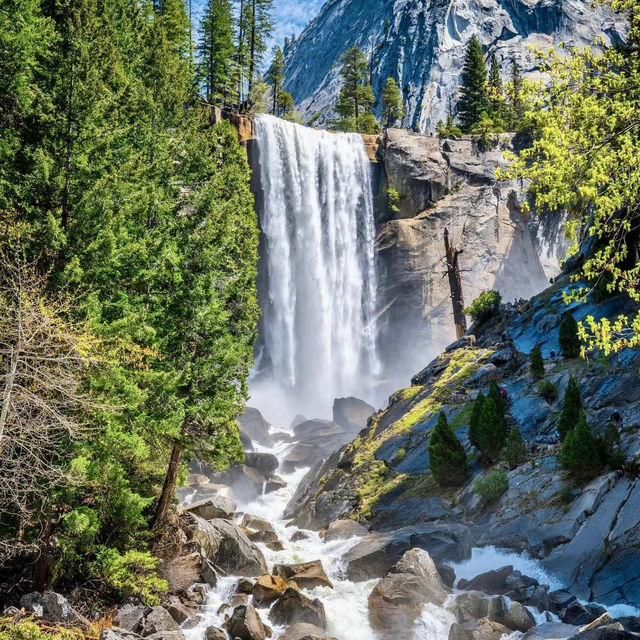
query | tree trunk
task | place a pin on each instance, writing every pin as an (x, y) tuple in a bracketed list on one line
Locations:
[(455, 284), (169, 486)]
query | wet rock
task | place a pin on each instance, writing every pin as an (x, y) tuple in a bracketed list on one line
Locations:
[(244, 586), (267, 589), (351, 413), (130, 617), (213, 507), (178, 611), (176, 634), (376, 553), (560, 600), (397, 601), (245, 624), (158, 620), (275, 546), (604, 633), (196, 594), (119, 634), (519, 618), (208, 572), (540, 598), (215, 633), (257, 524), (447, 574), (307, 575), (304, 631), (481, 630), (576, 613), (550, 631), (471, 606), (52, 606), (246, 482), (254, 427), (265, 463), (344, 529), (274, 483), (489, 582), (182, 570), (629, 623), (299, 535), (294, 606), (267, 537), (225, 544), (497, 609)]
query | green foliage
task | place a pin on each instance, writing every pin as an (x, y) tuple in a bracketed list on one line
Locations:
[(130, 575), (474, 101), (392, 103), (356, 96), (571, 409), (31, 630), (214, 52), (491, 430), (484, 306), (609, 447), (275, 77), (447, 458), (448, 130), (584, 160), (548, 390), (393, 198), (579, 453), (484, 127), (568, 336), (536, 363), (494, 485), (515, 451)]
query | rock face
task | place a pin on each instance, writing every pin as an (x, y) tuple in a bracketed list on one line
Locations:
[(295, 607), (421, 44), (451, 185), (307, 575), (397, 600)]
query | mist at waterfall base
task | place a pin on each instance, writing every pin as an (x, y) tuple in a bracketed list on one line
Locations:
[(317, 282)]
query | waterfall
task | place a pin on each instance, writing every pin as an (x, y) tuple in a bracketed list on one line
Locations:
[(318, 292)]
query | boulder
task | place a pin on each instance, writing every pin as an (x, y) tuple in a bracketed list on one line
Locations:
[(246, 482), (344, 529), (245, 624), (304, 631), (116, 633), (471, 606), (130, 617), (351, 414), (181, 570), (52, 606), (176, 634), (267, 537), (307, 575), (158, 620), (227, 547), (257, 524), (215, 633), (274, 483), (490, 582), (213, 507), (576, 613), (481, 630), (519, 618), (604, 633), (550, 631), (267, 589), (294, 606), (397, 601), (178, 611), (254, 427), (447, 574), (299, 535), (244, 586), (208, 572), (265, 463)]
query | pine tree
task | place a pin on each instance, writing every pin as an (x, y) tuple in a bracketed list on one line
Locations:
[(258, 28), (496, 92), (516, 102), (392, 102), (568, 336), (571, 409), (215, 51), (474, 101), (536, 365), (447, 457), (474, 422), (515, 452), (579, 453), (275, 77), (356, 95), (491, 432)]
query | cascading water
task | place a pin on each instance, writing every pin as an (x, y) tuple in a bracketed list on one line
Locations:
[(318, 292)]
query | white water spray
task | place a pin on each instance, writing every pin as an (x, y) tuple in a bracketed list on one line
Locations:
[(319, 294)]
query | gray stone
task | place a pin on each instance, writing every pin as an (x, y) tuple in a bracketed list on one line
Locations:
[(208, 572), (245, 624), (215, 633), (52, 606), (307, 575), (254, 427), (158, 620), (352, 413), (304, 631), (344, 529), (519, 618), (550, 631), (257, 524), (130, 617), (294, 606), (266, 463), (216, 506), (167, 635), (471, 606), (119, 634)]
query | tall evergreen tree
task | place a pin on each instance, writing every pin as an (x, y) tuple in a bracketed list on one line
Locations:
[(356, 96), (571, 409), (568, 336), (447, 457), (491, 430), (474, 422), (474, 100), (516, 98), (258, 28), (392, 103), (515, 452), (579, 453), (496, 91), (275, 77), (215, 51), (536, 363)]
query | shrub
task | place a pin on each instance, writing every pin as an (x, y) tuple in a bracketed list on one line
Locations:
[(490, 432), (447, 458), (491, 487), (130, 575), (548, 391), (474, 422), (31, 630), (571, 409), (400, 454), (609, 447), (536, 363), (579, 453), (485, 305), (568, 336), (515, 452), (393, 198)]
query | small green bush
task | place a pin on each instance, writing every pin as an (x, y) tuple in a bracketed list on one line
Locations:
[(580, 454), (130, 575), (568, 336), (515, 451), (30, 630), (491, 487), (548, 391), (571, 409), (393, 196), (536, 365), (400, 454), (484, 306), (447, 457)]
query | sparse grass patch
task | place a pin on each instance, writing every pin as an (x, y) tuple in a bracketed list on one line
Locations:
[(492, 486)]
